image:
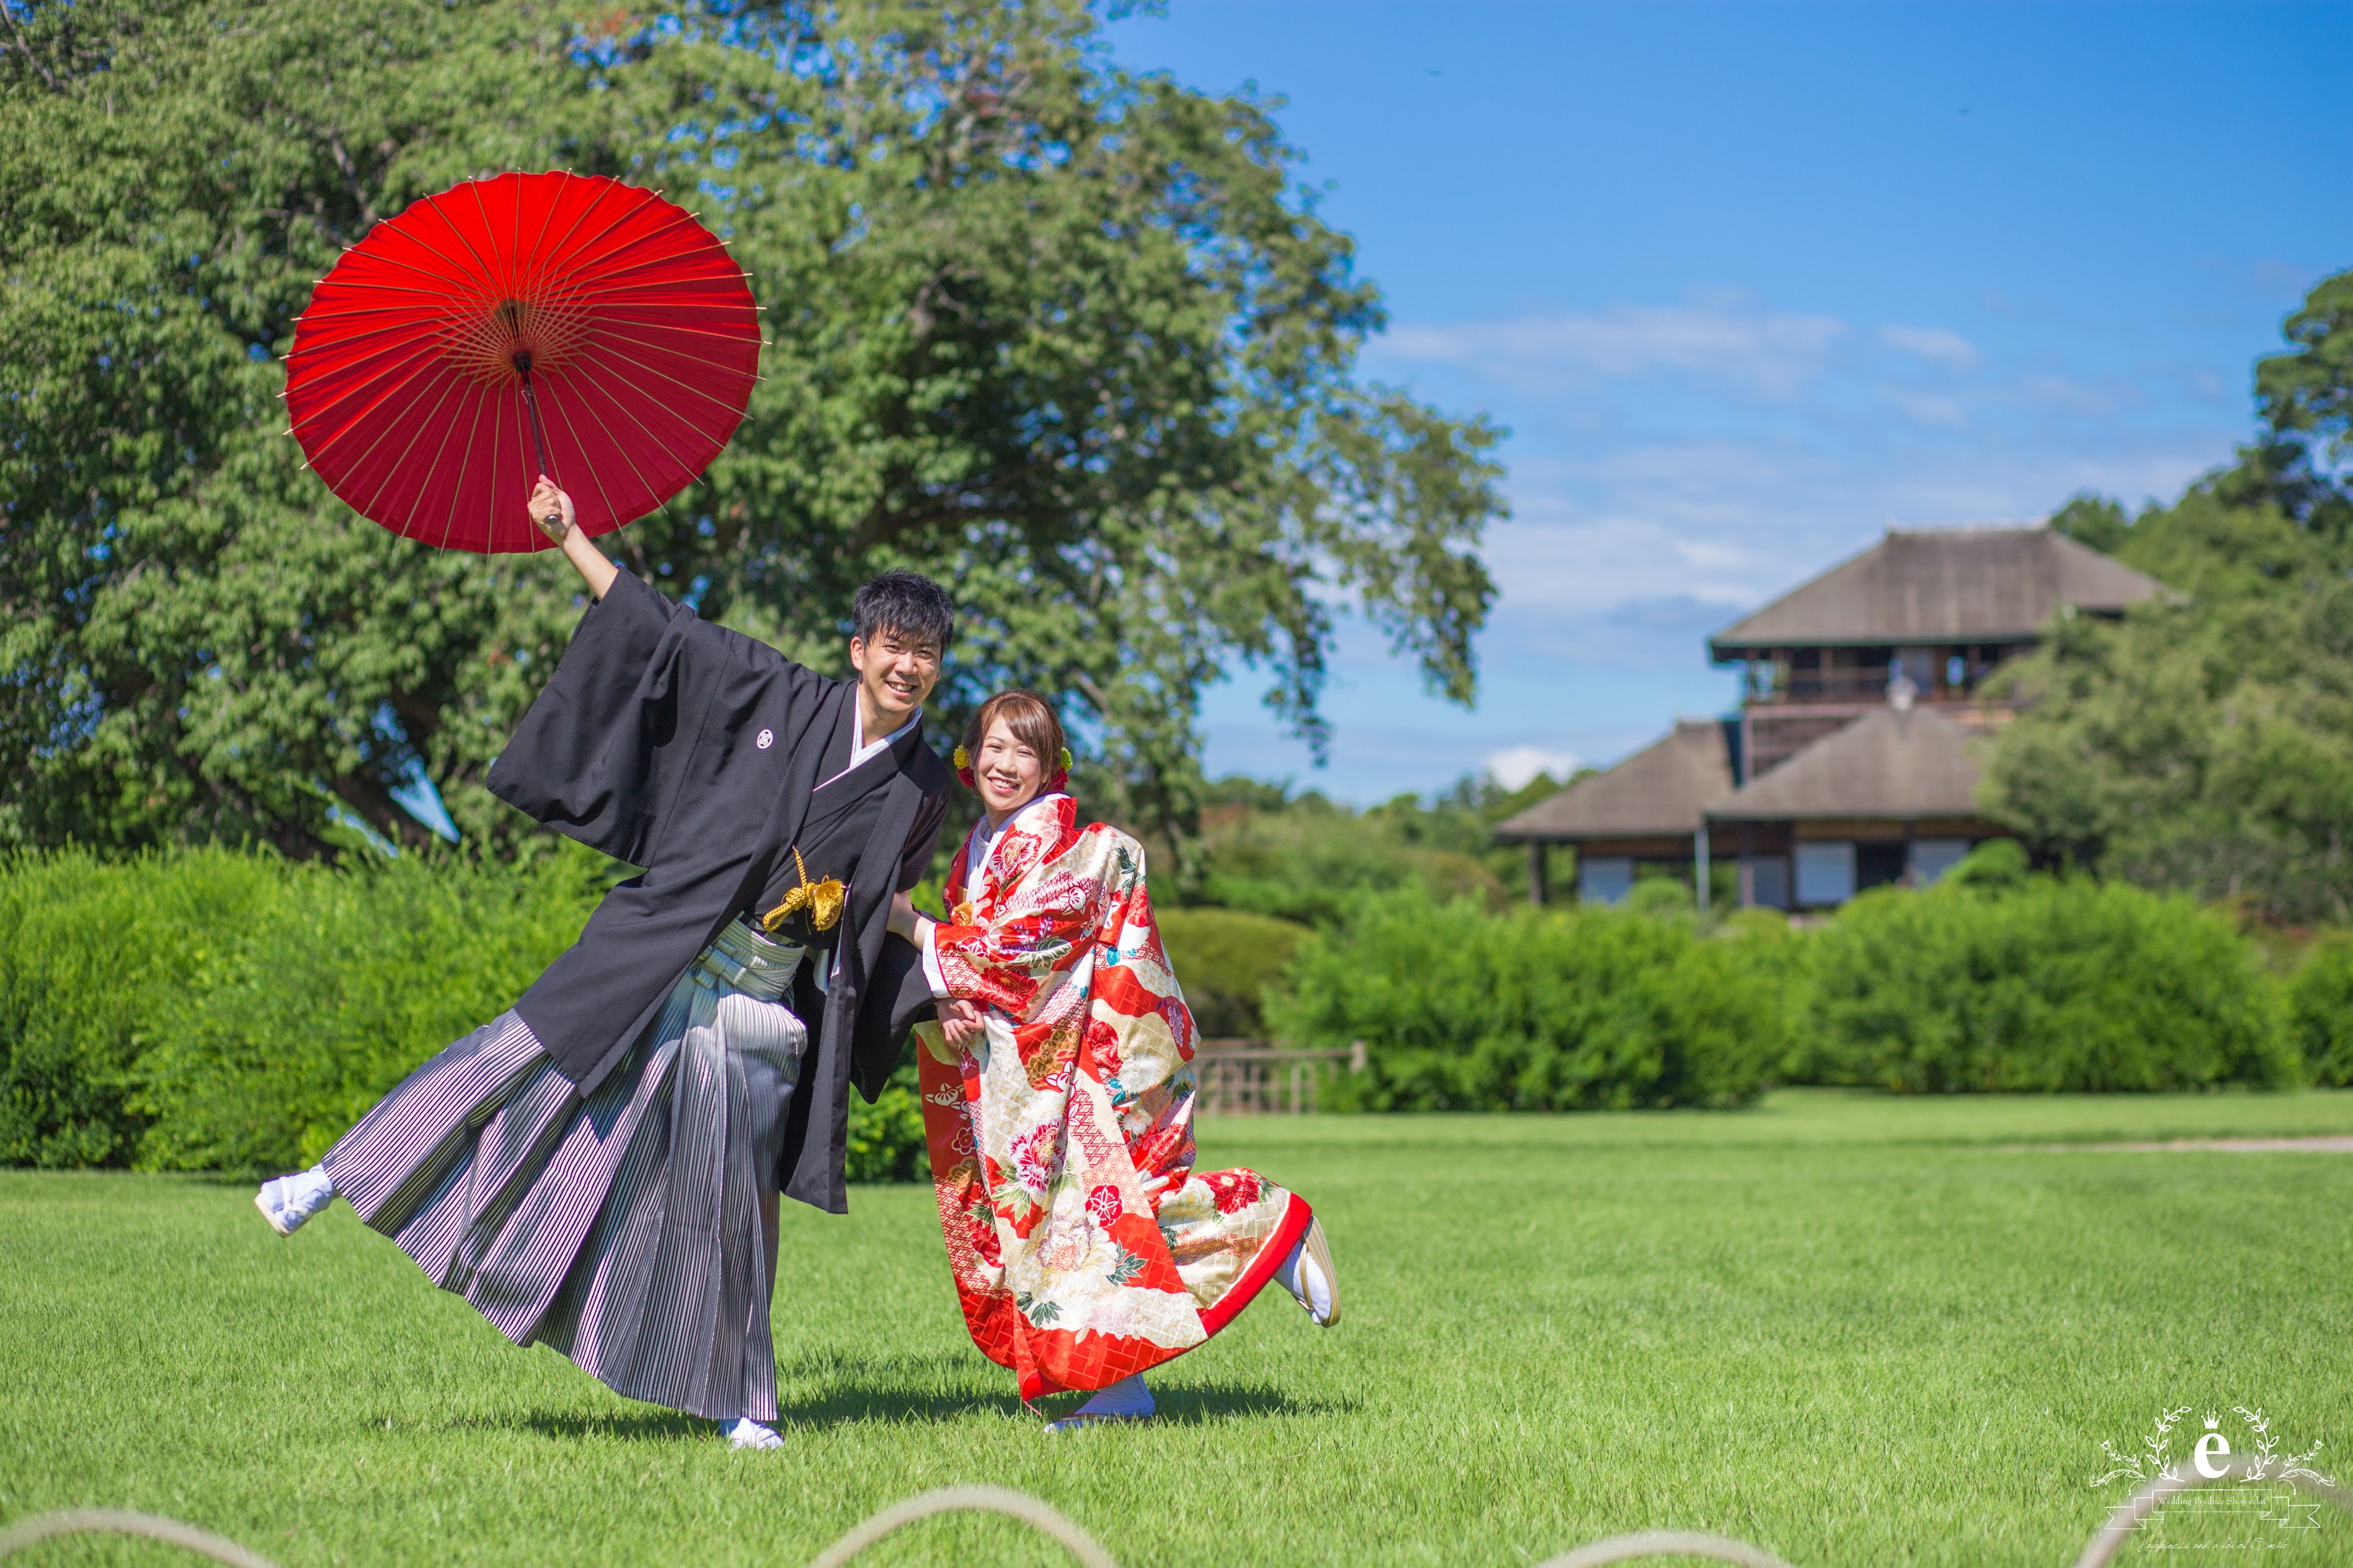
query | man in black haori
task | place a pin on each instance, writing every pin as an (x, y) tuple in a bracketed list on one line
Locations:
[(597, 1169)]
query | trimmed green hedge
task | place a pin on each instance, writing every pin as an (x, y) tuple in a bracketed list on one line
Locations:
[(218, 1010), (1998, 979), (2011, 981), (1551, 1010)]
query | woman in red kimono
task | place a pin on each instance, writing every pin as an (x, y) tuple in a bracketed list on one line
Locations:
[(1057, 1100)]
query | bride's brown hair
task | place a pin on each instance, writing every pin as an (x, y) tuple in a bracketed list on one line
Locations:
[(1034, 723)]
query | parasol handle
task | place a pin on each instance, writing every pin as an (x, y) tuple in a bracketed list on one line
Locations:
[(531, 402)]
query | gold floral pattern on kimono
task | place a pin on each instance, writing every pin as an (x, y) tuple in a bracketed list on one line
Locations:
[(1084, 1246)]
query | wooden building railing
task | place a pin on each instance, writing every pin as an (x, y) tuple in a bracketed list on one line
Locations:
[(1248, 1078)]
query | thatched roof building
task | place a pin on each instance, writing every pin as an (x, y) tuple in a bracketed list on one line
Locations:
[(1656, 794), (1941, 585), (1900, 765), (1853, 761)]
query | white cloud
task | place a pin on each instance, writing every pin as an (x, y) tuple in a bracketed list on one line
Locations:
[(1700, 523), (1934, 409), (2047, 391), (1937, 345), (1608, 554), (1771, 354), (1575, 561), (1672, 468), (1519, 765)]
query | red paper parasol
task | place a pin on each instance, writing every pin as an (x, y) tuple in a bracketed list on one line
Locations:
[(530, 323)]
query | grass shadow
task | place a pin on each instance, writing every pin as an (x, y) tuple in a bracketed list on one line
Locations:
[(1197, 1405), (628, 1426), (890, 1403)]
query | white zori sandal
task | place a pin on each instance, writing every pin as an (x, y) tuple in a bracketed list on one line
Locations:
[(1310, 1278)]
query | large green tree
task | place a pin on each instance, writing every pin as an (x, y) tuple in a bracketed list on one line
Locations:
[(2205, 744), (1072, 339)]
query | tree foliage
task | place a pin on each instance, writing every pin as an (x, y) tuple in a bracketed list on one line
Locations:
[(2205, 743), (1074, 339), (1301, 856), (2306, 393)]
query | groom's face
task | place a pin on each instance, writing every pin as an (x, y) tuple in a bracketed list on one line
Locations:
[(896, 671)]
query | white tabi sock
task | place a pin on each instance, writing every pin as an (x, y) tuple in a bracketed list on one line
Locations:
[(1307, 1283), (746, 1432), (1126, 1399), (289, 1203)]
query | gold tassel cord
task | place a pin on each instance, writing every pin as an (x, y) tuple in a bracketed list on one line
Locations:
[(823, 900)]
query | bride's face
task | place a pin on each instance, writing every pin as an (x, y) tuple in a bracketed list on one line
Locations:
[(1007, 772)]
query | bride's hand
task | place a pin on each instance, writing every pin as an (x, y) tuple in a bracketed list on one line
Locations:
[(902, 919), (960, 1021)]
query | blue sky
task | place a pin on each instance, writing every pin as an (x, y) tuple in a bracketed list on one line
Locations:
[(1748, 282)]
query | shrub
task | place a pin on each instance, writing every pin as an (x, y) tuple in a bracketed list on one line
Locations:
[(218, 1010), (1536, 1010), (886, 1138), (328, 994), (2320, 1009), (90, 954), (1311, 860), (1998, 865), (2015, 981), (1227, 960)]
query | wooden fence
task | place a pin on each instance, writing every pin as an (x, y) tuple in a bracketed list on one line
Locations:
[(1248, 1078)]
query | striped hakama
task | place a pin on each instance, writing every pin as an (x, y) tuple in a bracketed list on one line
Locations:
[(634, 1230)]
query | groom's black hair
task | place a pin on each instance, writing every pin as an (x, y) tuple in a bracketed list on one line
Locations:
[(907, 603)]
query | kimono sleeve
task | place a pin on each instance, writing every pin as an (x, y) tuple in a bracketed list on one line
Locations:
[(1039, 931), (598, 751)]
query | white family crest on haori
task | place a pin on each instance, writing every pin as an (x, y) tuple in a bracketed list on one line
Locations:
[(765, 739)]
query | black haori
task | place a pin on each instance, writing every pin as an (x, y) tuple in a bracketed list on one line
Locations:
[(625, 1229)]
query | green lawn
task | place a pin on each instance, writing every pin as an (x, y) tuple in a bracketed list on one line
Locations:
[(1853, 1330)]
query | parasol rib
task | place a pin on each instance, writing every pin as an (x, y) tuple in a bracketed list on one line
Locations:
[(450, 387), (652, 490), (465, 461), (685, 386), (604, 496), (383, 395)]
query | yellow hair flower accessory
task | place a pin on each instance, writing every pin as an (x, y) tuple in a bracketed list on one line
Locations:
[(960, 757)]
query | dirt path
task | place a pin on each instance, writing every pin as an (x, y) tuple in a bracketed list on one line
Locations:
[(2335, 1145)]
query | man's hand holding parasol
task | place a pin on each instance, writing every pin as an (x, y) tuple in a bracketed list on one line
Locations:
[(552, 510)]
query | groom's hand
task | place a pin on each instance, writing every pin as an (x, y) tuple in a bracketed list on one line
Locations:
[(901, 922), (960, 1021), (551, 508)]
